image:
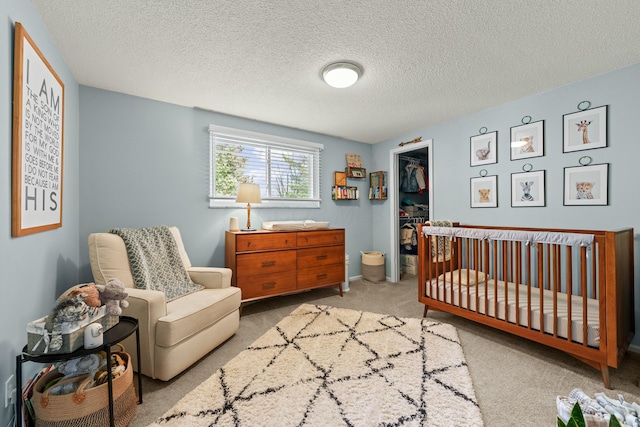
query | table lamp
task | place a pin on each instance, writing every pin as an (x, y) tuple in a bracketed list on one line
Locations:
[(248, 193)]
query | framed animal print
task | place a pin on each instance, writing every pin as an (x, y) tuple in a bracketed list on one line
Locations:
[(527, 189), (585, 130), (484, 192), (484, 149), (527, 140), (586, 185)]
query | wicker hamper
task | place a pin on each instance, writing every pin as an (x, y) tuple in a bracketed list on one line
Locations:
[(86, 407)]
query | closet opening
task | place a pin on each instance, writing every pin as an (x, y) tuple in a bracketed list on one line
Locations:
[(411, 202)]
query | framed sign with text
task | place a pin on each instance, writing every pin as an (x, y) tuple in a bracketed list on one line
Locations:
[(38, 146)]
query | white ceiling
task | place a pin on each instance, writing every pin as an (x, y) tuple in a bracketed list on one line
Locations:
[(424, 61)]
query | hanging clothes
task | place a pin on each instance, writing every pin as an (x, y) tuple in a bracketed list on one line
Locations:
[(413, 178), (409, 236)]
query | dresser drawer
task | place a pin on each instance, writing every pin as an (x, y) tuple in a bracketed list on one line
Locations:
[(319, 238), (265, 263), (267, 284), (325, 255), (319, 276), (265, 241)]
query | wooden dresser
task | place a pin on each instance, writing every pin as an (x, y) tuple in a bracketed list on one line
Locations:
[(267, 263)]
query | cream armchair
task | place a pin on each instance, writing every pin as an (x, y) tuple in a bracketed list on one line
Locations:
[(175, 334)]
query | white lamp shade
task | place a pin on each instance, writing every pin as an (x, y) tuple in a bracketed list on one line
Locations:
[(341, 74), (248, 193)]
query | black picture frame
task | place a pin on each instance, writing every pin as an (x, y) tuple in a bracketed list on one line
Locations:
[(586, 185), (527, 141), (585, 129), (484, 148), (484, 192), (528, 189)]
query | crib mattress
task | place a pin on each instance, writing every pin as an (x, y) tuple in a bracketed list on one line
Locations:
[(486, 305)]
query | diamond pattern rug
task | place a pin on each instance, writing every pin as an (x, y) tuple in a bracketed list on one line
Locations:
[(326, 366)]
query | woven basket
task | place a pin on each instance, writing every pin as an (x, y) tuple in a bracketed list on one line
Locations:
[(87, 406)]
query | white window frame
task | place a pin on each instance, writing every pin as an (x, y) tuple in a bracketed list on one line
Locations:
[(272, 141)]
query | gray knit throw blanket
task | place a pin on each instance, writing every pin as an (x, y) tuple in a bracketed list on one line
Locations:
[(155, 261)]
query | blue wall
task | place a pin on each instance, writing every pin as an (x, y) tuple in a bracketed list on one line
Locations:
[(619, 90), (146, 163), (36, 268)]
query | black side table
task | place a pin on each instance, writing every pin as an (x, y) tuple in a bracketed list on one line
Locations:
[(111, 337)]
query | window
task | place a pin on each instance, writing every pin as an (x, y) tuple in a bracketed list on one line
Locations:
[(287, 170)]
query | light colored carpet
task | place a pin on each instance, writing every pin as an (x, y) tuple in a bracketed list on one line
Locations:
[(513, 378), (327, 366)]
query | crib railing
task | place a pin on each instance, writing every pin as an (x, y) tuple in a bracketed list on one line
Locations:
[(565, 272), (578, 299)]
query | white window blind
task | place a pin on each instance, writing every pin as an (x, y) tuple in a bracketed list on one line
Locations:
[(287, 170)]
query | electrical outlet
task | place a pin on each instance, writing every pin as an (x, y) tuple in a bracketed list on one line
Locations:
[(9, 391)]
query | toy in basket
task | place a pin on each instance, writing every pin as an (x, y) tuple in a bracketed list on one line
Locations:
[(62, 331), (74, 393)]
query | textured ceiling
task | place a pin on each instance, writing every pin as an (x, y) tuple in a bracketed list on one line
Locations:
[(424, 62)]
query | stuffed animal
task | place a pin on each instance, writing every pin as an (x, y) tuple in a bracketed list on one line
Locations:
[(76, 367), (113, 295), (92, 295), (118, 367), (67, 310)]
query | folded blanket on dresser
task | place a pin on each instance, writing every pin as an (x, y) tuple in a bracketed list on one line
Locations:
[(155, 261)]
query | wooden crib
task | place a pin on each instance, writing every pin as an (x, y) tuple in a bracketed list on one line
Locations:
[(568, 289)]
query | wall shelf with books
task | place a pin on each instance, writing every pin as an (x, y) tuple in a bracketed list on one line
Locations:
[(378, 185), (345, 193), (340, 189)]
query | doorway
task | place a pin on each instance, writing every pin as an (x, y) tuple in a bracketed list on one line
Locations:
[(398, 160)]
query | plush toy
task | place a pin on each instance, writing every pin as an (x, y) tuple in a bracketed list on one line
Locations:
[(67, 310), (118, 366), (113, 295), (79, 366), (92, 295)]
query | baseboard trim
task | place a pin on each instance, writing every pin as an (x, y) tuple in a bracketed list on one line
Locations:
[(634, 349)]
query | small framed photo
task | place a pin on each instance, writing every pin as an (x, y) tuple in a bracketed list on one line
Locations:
[(356, 172), (484, 149), (586, 185), (585, 130), (527, 189), (527, 140), (484, 192)]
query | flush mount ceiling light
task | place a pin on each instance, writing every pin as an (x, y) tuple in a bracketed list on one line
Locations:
[(341, 74)]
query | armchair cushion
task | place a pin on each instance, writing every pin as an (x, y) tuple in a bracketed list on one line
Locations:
[(190, 314)]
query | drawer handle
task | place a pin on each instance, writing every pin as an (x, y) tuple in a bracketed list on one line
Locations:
[(319, 257), (321, 276), (268, 263), (269, 285)]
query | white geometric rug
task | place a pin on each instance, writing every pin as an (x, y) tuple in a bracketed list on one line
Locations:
[(326, 366)]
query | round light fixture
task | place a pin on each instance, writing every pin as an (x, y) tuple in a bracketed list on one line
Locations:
[(341, 74)]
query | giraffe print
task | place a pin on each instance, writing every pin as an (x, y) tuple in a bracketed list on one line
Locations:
[(582, 126)]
